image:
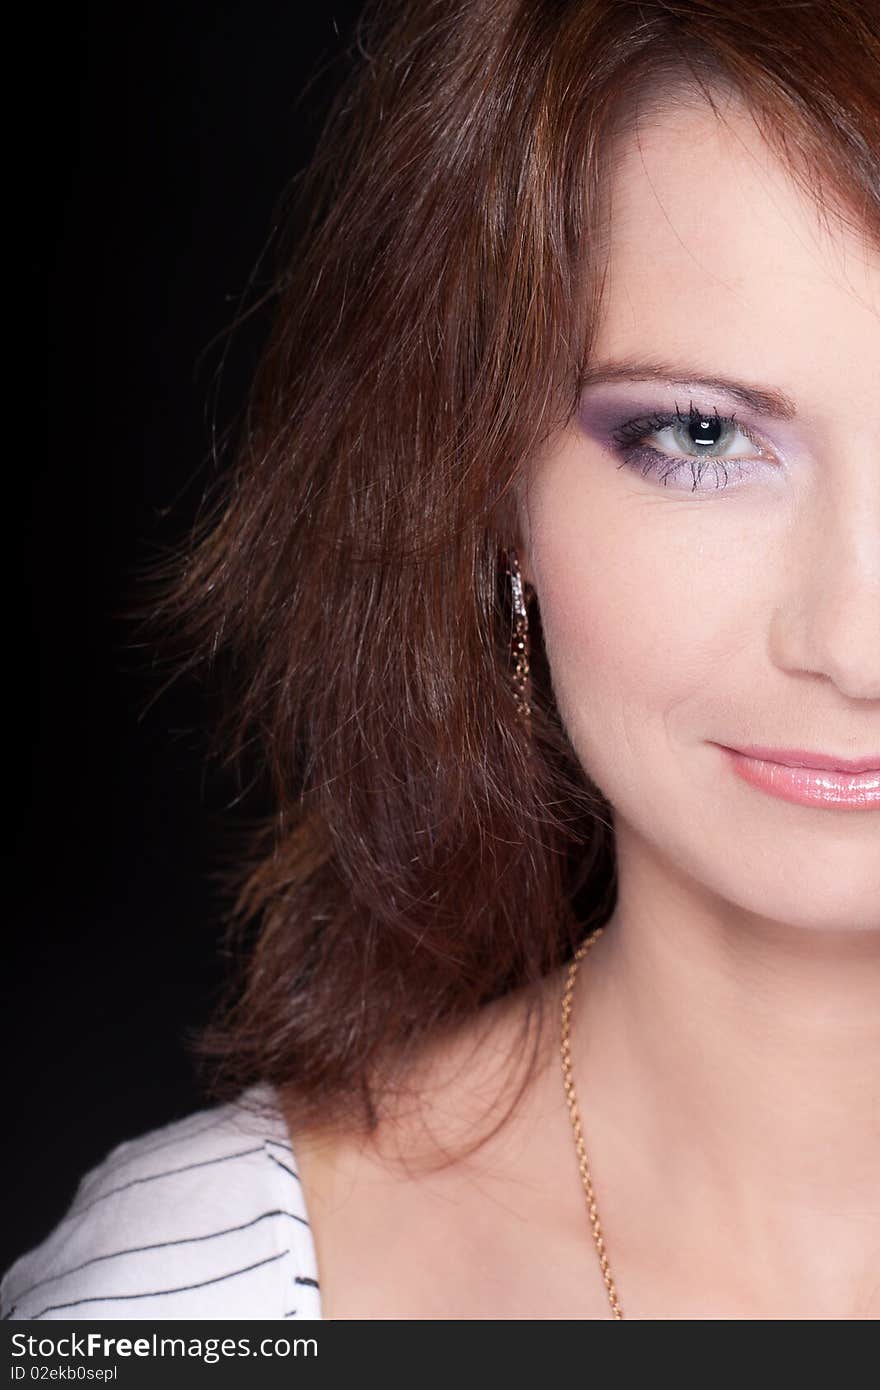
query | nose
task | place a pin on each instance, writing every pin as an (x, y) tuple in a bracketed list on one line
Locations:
[(828, 623)]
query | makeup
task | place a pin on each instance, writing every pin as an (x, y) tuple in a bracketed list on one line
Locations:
[(686, 441), (681, 440), (809, 786)]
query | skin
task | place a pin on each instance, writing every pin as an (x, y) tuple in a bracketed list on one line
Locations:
[(726, 1029)]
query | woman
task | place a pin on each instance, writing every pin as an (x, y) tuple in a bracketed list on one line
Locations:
[(547, 587)]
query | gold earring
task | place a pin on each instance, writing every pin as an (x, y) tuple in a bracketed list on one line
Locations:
[(520, 643)]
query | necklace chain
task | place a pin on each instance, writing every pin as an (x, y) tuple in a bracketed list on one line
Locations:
[(568, 1083)]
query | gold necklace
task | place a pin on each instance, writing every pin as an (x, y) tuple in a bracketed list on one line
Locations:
[(568, 1083)]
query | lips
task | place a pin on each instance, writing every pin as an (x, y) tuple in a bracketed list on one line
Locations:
[(798, 757), (805, 784)]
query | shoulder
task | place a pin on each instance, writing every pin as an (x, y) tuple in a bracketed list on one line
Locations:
[(203, 1218)]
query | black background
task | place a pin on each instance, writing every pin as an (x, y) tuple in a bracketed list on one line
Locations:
[(175, 129)]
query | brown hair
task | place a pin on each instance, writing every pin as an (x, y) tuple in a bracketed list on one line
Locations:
[(434, 320)]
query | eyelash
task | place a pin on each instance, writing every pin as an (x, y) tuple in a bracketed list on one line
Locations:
[(627, 441)]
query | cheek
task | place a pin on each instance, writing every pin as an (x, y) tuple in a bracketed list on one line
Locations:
[(644, 624), (657, 617)]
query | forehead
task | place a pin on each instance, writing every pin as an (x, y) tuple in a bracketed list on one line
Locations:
[(713, 244)]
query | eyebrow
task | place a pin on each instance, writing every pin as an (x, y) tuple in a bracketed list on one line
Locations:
[(763, 400)]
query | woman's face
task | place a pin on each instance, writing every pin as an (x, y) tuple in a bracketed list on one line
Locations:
[(680, 614)]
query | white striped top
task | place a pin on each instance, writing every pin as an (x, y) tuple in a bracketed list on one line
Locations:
[(204, 1218)]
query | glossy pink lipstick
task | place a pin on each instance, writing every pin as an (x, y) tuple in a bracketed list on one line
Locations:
[(810, 779)]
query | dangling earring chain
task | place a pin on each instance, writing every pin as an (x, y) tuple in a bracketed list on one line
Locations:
[(520, 643)]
